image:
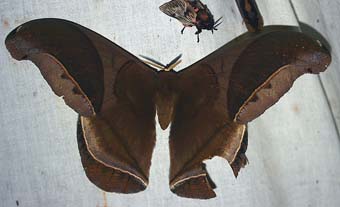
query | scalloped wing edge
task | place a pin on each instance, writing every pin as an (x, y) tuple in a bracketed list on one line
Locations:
[(196, 182), (106, 177), (35, 41), (124, 165)]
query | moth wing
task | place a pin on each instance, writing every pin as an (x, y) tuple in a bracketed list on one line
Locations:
[(181, 10), (104, 176), (54, 46), (110, 88), (267, 68), (216, 101), (201, 129)]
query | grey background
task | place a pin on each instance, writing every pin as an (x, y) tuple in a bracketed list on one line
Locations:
[(294, 149)]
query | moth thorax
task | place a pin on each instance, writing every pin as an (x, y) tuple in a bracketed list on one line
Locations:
[(166, 97)]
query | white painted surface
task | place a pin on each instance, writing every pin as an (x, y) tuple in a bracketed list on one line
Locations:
[(324, 17), (294, 148)]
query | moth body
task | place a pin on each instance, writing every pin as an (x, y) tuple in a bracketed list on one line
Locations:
[(166, 97)]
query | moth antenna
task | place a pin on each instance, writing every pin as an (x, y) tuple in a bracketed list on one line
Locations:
[(216, 22), (154, 65), (171, 67), (153, 61), (174, 61), (216, 25)]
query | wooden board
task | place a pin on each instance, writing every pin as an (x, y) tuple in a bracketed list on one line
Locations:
[(293, 149)]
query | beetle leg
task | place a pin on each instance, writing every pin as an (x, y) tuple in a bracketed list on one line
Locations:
[(199, 30), (198, 37), (182, 30)]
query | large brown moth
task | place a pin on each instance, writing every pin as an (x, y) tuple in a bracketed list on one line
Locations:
[(191, 13), (208, 103)]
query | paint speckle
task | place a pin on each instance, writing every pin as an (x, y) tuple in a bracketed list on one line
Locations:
[(317, 181), (232, 10), (35, 94), (5, 23), (105, 200), (296, 108)]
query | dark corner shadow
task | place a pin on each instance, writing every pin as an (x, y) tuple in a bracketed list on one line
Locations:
[(251, 35), (304, 28), (307, 29)]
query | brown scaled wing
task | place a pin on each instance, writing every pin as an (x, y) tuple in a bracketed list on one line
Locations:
[(226, 90), (116, 131)]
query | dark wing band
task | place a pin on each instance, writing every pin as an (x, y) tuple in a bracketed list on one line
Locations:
[(61, 51), (110, 88), (267, 68)]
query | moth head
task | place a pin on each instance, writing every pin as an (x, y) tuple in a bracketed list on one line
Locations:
[(206, 21)]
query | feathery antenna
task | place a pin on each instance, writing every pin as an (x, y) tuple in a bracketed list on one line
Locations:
[(176, 61)]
